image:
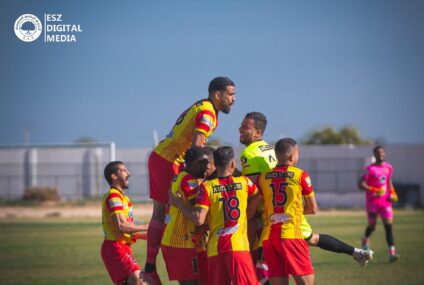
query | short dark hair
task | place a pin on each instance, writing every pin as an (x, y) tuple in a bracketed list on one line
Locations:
[(192, 155), (223, 155), (285, 146), (260, 120), (209, 150), (377, 147), (111, 168), (219, 84)]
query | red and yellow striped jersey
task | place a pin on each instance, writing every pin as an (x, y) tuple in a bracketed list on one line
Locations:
[(200, 117), (226, 200), (179, 229), (283, 189), (115, 202)]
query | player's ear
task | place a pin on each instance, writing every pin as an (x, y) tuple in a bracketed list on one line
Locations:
[(233, 164)]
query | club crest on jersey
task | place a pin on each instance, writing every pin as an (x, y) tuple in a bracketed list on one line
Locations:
[(382, 179)]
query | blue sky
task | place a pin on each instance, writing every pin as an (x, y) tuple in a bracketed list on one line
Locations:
[(138, 64)]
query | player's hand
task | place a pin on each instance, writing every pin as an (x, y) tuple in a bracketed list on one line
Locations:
[(379, 191), (139, 235), (200, 237), (393, 195), (175, 200)]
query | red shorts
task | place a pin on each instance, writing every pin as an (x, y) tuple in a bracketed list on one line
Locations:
[(184, 263), (233, 266), (119, 260), (287, 256), (161, 173)]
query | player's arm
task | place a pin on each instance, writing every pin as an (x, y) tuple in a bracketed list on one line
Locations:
[(198, 139), (393, 195), (362, 184), (252, 204), (365, 187), (310, 207), (124, 226), (196, 215)]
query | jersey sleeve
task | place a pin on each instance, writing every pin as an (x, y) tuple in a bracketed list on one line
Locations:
[(251, 187), (189, 187), (114, 203), (305, 182), (365, 176), (202, 199), (204, 121)]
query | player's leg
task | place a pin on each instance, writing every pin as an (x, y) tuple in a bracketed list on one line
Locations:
[(304, 279), (273, 255), (253, 238), (188, 282), (279, 280), (386, 214), (218, 270), (160, 176), (134, 278), (372, 221), (242, 268), (119, 261)]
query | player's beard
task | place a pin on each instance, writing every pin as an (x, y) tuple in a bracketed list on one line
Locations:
[(226, 107)]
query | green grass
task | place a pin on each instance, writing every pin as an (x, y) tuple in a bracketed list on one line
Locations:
[(67, 251)]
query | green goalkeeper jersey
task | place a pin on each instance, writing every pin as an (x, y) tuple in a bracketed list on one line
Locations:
[(257, 157)]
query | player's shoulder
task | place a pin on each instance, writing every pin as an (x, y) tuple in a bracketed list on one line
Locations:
[(387, 164), (204, 104), (113, 193)]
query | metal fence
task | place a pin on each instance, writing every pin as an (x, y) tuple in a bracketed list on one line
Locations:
[(77, 172)]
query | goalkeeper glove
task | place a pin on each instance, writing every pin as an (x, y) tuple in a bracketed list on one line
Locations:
[(393, 195), (379, 191)]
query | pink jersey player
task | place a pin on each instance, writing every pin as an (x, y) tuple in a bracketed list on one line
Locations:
[(379, 177), (380, 193)]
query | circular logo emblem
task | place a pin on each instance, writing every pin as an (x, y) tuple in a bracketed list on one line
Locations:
[(28, 28)]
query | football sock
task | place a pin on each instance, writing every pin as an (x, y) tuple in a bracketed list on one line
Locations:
[(332, 244), (392, 250), (368, 231), (154, 236), (389, 235)]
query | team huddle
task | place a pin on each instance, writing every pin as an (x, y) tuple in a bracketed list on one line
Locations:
[(216, 224)]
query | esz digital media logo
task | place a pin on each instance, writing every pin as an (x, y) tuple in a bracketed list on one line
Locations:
[(28, 28)]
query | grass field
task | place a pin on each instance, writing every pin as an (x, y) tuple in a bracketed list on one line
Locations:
[(67, 251)]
